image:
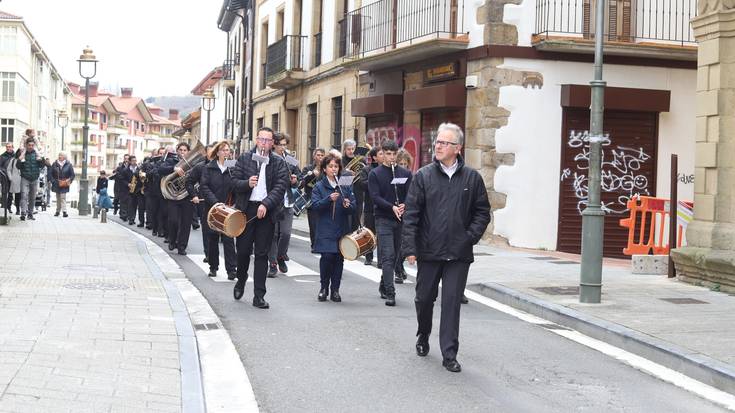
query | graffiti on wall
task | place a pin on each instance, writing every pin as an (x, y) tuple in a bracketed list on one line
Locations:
[(407, 137), (621, 172)]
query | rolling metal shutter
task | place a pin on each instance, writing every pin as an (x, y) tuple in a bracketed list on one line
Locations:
[(629, 168)]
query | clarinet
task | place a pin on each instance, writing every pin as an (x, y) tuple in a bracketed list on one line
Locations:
[(395, 186)]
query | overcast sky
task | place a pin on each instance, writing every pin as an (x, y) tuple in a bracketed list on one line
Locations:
[(158, 47)]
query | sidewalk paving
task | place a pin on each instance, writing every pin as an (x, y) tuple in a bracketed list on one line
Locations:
[(89, 323), (687, 328)]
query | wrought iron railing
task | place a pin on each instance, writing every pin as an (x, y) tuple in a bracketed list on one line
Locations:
[(263, 67), (317, 49), (228, 70), (634, 21), (285, 54), (387, 24)]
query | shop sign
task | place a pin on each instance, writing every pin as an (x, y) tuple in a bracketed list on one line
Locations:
[(440, 73)]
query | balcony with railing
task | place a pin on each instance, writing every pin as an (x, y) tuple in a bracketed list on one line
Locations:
[(389, 33), (646, 28), (285, 62), (228, 73)]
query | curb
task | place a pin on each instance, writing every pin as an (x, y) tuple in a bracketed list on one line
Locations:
[(698, 366)]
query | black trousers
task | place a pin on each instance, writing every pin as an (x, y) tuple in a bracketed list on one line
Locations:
[(212, 250), (312, 217), (152, 203), (205, 227), (162, 216), (257, 239), (330, 270), (453, 275), (136, 203), (369, 220), (179, 222), (125, 200)]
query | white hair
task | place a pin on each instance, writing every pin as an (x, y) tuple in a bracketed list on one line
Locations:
[(62, 153), (348, 144), (455, 129)]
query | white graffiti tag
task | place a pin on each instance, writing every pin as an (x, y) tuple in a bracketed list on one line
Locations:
[(620, 173)]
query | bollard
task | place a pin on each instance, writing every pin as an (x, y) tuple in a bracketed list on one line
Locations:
[(103, 216), (96, 212)]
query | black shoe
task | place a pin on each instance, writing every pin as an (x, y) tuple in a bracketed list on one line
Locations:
[(285, 258), (404, 275), (165, 240), (182, 251), (56, 214), (231, 276), (398, 279), (212, 273), (154, 233), (368, 261), (380, 266), (260, 303), (322, 295), (239, 289), (272, 270), (31, 217), (452, 365), (171, 246), (22, 217), (464, 300), (336, 297), (195, 226), (131, 222), (162, 234), (205, 260), (381, 290), (282, 267), (391, 301), (65, 215), (422, 345), (140, 225), (148, 227)]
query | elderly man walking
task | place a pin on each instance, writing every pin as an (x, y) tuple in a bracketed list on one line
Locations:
[(62, 175), (30, 164), (447, 211)]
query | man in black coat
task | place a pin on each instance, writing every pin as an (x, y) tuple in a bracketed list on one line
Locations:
[(152, 189), (376, 158), (447, 212), (310, 175), (120, 189), (180, 211), (165, 167), (260, 181)]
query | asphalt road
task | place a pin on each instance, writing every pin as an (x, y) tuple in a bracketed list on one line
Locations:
[(358, 355)]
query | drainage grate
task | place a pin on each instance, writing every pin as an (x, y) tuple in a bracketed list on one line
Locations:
[(683, 301), (566, 290), (553, 327), (207, 326), (96, 286), (563, 262), (543, 258)]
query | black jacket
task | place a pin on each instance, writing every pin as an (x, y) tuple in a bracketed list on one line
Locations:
[(383, 193), (444, 218), (193, 178), (308, 179), (276, 179), (101, 183), (152, 180), (215, 185), (368, 200)]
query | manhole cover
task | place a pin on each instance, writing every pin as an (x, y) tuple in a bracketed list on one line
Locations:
[(683, 301), (570, 290), (96, 286)]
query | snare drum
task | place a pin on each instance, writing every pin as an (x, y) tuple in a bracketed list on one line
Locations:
[(226, 220), (301, 203), (357, 243)]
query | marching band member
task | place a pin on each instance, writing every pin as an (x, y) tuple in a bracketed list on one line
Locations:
[(359, 187), (376, 159), (136, 201), (447, 211), (152, 190), (120, 190), (165, 167), (180, 211), (388, 197), (192, 180), (260, 185), (309, 177), (334, 206), (216, 185), (277, 256)]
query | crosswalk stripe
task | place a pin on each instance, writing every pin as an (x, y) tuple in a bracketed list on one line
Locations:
[(221, 274)]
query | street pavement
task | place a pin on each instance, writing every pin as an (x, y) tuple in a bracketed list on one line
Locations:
[(358, 355)]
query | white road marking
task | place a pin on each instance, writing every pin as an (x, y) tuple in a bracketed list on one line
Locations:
[(295, 269), (305, 281), (221, 273)]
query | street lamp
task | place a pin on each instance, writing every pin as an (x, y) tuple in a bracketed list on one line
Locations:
[(593, 217), (63, 122), (87, 70), (208, 99)]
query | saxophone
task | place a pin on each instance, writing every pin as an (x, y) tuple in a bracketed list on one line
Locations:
[(133, 183)]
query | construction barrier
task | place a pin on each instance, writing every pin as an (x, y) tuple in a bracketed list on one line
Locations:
[(649, 222)]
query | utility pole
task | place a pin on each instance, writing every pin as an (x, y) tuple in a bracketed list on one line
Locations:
[(593, 217)]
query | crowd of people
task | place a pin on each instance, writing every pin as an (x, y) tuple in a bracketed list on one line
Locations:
[(432, 218)]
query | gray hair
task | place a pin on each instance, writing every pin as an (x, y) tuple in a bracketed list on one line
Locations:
[(348, 144), (170, 148), (455, 129), (62, 153), (336, 153)]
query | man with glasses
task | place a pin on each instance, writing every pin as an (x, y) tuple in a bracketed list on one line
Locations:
[(279, 250), (260, 179), (447, 212)]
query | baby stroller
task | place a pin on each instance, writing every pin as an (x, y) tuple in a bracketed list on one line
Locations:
[(43, 194)]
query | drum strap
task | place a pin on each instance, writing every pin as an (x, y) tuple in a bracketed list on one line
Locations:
[(230, 202)]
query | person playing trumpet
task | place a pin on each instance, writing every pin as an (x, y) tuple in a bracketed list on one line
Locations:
[(334, 205)]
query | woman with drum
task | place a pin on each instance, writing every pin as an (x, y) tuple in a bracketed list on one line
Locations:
[(215, 187), (334, 205)]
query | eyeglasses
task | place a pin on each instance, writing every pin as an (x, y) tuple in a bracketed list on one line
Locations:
[(444, 144), (264, 139)]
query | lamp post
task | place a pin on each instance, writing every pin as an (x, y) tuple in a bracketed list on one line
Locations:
[(63, 122), (87, 70), (208, 99), (593, 217)]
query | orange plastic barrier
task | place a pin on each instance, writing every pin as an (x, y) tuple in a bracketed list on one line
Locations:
[(647, 215)]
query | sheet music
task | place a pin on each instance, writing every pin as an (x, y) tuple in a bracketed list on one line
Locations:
[(230, 163), (292, 161), (399, 181), (260, 158), (345, 180)]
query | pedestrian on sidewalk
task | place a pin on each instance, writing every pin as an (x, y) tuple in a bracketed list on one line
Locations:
[(447, 212), (104, 201), (9, 163), (334, 206), (62, 175), (30, 164), (102, 182)]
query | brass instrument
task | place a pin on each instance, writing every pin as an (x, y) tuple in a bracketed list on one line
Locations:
[(173, 186), (133, 183), (357, 163)]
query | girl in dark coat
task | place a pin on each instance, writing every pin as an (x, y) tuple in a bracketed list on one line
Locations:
[(62, 175), (334, 206)]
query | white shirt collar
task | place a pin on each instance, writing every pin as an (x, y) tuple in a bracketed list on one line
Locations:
[(451, 169)]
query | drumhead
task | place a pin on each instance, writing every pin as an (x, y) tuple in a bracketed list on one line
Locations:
[(349, 248), (235, 224)]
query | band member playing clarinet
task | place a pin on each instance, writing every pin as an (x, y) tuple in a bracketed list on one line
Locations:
[(388, 185), (261, 179), (334, 205), (447, 211), (215, 186)]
